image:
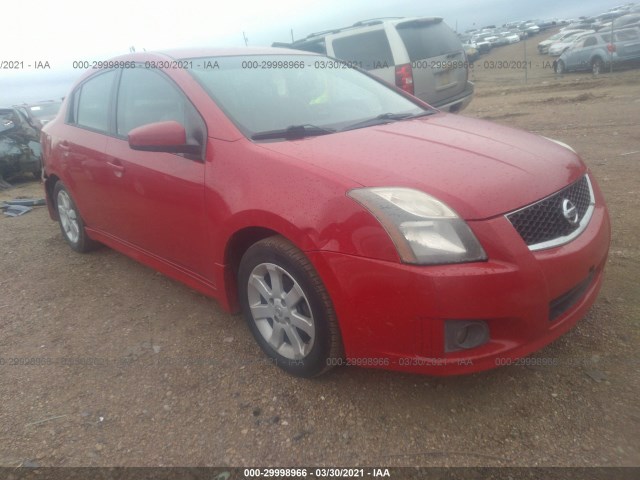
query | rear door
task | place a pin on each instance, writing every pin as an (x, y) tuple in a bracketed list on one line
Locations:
[(79, 144), (437, 58), (627, 44)]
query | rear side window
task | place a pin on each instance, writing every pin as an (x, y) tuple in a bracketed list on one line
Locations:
[(589, 42), (426, 40), (93, 99), (370, 50), (626, 35)]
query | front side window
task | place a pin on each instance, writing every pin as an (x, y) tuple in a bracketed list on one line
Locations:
[(144, 97), (93, 100)]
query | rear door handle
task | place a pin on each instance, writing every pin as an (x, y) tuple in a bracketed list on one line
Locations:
[(117, 167)]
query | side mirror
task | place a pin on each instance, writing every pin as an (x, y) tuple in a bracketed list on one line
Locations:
[(168, 137)]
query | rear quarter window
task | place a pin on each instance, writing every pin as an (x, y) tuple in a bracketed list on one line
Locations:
[(626, 35), (315, 47), (428, 40), (370, 50)]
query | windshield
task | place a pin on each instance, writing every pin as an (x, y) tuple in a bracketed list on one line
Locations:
[(267, 93), (45, 109), (427, 39)]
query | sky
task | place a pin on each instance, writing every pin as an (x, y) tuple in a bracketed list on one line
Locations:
[(54, 34)]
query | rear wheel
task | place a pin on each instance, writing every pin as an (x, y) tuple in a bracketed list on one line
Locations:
[(597, 66), (288, 309), (71, 223)]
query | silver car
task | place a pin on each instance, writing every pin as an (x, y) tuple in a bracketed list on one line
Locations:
[(563, 35), (556, 48), (422, 56), (598, 51)]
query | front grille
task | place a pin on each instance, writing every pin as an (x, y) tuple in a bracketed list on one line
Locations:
[(544, 225)]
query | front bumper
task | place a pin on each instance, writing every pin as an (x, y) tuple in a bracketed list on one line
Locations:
[(392, 315)]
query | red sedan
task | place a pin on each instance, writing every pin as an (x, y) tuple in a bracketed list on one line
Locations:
[(350, 222)]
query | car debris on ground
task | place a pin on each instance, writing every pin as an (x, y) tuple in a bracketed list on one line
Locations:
[(20, 206)]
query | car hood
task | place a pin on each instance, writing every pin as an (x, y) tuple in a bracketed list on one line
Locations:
[(480, 169)]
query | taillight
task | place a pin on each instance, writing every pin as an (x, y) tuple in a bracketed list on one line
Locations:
[(611, 47), (404, 77)]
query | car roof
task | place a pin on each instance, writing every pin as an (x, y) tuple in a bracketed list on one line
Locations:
[(186, 53), (366, 23), (189, 53), (583, 34)]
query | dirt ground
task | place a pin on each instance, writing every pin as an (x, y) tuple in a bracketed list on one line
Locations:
[(126, 367)]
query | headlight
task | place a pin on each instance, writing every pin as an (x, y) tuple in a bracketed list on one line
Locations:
[(424, 230)]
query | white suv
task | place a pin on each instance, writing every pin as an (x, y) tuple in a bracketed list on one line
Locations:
[(422, 56)]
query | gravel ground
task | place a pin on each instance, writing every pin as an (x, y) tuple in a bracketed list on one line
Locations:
[(129, 368)]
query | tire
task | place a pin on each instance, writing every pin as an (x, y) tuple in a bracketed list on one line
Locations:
[(288, 309), (560, 67), (596, 66), (71, 223)]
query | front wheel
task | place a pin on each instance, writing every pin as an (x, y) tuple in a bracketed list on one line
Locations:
[(71, 223), (288, 309), (560, 67)]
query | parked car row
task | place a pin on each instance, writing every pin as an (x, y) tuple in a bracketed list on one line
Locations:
[(484, 40), (574, 34), (619, 18)]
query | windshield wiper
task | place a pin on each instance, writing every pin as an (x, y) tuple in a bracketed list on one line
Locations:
[(293, 132), (387, 118)]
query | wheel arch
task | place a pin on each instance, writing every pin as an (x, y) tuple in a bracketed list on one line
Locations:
[(237, 244)]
